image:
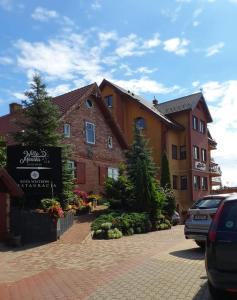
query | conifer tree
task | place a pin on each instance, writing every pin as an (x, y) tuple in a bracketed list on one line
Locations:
[(165, 183), (165, 172), (39, 126), (141, 171), (40, 118)]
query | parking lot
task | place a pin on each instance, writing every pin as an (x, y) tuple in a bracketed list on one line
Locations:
[(157, 265)]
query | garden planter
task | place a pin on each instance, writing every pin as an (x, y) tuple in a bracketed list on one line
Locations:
[(34, 227)]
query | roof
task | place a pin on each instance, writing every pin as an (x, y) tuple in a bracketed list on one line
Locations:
[(146, 104), (188, 102), (65, 103)]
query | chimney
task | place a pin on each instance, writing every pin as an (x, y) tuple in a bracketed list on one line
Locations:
[(155, 102), (14, 107)]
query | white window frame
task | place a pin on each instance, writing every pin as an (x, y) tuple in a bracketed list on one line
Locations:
[(71, 164), (93, 126), (110, 142), (67, 130), (113, 173)]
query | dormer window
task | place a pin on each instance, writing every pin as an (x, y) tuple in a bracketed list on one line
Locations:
[(109, 101), (67, 130), (140, 123), (110, 142), (89, 103)]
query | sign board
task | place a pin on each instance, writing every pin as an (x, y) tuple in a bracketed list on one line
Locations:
[(200, 166), (37, 170)]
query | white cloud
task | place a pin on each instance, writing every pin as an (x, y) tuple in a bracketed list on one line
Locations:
[(128, 71), (128, 46), (196, 23), (177, 46), (197, 12), (42, 14), (106, 37), (214, 49), (59, 90), (195, 84), (4, 60), (6, 4), (145, 85), (96, 5), (153, 42), (233, 1), (19, 95), (222, 99)]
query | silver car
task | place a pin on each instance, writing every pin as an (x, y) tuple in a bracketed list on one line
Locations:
[(200, 216)]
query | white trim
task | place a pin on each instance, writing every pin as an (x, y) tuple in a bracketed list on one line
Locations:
[(93, 128), (110, 142), (113, 173), (66, 130)]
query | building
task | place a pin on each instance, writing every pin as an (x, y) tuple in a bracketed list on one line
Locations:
[(99, 122), (87, 124), (177, 127)]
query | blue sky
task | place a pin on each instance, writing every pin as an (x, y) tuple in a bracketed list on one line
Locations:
[(152, 47)]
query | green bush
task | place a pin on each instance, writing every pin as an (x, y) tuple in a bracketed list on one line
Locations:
[(114, 233), (106, 226), (48, 202), (126, 223)]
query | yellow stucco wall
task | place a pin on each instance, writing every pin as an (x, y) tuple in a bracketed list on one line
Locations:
[(126, 110)]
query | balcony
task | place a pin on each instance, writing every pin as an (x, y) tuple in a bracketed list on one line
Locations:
[(215, 170), (216, 181)]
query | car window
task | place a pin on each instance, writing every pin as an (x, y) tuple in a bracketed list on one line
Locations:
[(228, 218), (207, 203)]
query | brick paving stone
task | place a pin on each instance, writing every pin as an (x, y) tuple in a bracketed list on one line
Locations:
[(158, 265)]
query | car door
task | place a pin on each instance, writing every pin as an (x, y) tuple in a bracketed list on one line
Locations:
[(225, 248)]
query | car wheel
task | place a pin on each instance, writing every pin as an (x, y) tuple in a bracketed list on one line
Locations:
[(201, 244), (216, 294)]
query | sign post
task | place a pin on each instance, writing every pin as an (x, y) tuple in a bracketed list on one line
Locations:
[(37, 170)]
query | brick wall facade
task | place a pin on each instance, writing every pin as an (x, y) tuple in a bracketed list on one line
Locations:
[(91, 160)]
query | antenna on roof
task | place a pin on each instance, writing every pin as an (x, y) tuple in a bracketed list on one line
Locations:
[(155, 101), (201, 90)]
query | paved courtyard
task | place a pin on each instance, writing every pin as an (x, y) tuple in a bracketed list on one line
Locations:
[(157, 265)]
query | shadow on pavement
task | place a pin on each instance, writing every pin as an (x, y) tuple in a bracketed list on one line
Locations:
[(193, 253), (203, 293)]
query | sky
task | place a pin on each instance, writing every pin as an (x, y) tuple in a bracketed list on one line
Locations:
[(161, 48)]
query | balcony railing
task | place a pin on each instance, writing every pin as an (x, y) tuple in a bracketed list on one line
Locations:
[(215, 170)]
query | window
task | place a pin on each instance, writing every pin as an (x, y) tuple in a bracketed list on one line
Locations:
[(140, 123), (195, 123), (174, 152), (175, 182), (204, 155), (90, 133), (71, 166), (183, 182), (182, 152), (196, 182), (202, 127), (108, 101), (113, 173), (67, 130), (204, 184), (196, 152), (228, 218), (110, 142), (89, 103)]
